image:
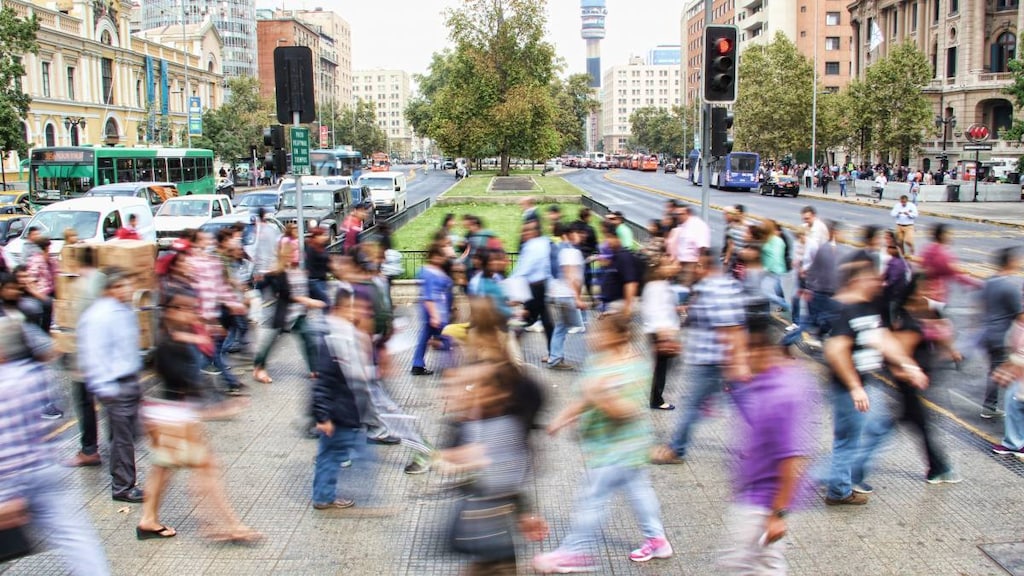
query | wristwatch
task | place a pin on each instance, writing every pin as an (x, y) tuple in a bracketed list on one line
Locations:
[(781, 513)]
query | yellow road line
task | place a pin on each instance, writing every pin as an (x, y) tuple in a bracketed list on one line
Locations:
[(949, 414), (61, 429)]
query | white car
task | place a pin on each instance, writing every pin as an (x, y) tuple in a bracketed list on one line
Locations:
[(288, 182), (184, 212), (95, 220)]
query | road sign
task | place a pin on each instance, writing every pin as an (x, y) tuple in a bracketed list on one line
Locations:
[(195, 116), (323, 136), (976, 147), (977, 133), (300, 150)]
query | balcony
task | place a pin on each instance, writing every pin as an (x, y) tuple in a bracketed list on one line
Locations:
[(48, 19)]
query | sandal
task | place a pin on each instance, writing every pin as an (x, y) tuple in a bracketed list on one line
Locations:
[(241, 535), (161, 532), (260, 375)]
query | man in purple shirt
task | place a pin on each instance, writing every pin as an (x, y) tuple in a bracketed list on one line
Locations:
[(775, 405)]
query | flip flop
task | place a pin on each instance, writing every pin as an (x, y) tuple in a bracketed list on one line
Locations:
[(241, 536), (161, 532)]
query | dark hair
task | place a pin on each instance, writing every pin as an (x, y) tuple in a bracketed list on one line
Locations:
[(584, 213), (869, 232), (608, 227), (808, 209), (560, 229), (939, 230), (448, 218), (32, 229), (854, 267), (190, 234), (435, 250), (1004, 256), (7, 278), (225, 234), (740, 208)]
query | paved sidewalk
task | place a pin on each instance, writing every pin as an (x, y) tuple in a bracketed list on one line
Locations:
[(1004, 213), (909, 527)]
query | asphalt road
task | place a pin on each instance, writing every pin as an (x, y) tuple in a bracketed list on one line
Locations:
[(429, 183), (955, 395)]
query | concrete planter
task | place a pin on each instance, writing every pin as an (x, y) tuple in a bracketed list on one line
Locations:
[(938, 193)]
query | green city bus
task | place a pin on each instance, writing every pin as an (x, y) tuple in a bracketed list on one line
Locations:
[(69, 172)]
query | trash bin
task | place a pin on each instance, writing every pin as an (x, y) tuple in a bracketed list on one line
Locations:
[(952, 192)]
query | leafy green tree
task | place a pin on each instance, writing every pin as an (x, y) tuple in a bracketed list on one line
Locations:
[(574, 102), (356, 126), (773, 102), (231, 129), (1016, 90), (660, 130), (895, 108), (492, 94), (17, 38)]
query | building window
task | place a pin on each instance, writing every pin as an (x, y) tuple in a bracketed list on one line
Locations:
[(51, 136), (832, 43), (954, 7), (107, 73), (1007, 4), (913, 17), (71, 82), (46, 79), (832, 18), (831, 68), (1004, 50), (951, 62)]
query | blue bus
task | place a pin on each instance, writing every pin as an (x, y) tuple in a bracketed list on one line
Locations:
[(736, 171), (337, 162)]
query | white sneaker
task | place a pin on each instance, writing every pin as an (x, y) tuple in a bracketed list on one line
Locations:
[(577, 330), (535, 327)]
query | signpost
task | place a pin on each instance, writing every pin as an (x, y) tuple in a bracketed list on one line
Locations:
[(300, 150), (195, 116), (323, 136), (977, 134)]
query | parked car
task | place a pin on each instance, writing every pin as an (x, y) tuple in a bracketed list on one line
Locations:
[(184, 212), (11, 226), (251, 202), (781, 186), (322, 206), (94, 219), (14, 198), (155, 193), (670, 168)]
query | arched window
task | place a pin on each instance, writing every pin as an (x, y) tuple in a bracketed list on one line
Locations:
[(110, 131), (1004, 50), (51, 135), (24, 131), (106, 38)]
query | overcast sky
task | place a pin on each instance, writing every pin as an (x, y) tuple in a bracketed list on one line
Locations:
[(403, 34)]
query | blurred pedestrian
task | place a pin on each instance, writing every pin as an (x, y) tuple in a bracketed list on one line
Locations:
[(435, 295), (615, 430), (659, 307), (564, 293), (1000, 303), (130, 230)]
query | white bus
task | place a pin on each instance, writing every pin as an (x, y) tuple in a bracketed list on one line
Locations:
[(597, 160)]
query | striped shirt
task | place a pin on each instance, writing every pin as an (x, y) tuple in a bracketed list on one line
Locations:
[(211, 285), (23, 446), (716, 302)]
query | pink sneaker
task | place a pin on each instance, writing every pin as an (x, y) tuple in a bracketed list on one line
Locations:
[(652, 548), (559, 562)]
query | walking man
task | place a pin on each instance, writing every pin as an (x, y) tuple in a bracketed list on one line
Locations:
[(905, 214), (535, 266), (1001, 303), (108, 356)]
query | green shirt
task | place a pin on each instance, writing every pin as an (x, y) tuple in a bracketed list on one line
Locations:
[(609, 442), (773, 255), (625, 234)]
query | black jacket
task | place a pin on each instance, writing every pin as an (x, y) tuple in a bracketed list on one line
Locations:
[(333, 400), (279, 286)]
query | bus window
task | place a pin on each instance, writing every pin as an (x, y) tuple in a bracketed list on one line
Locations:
[(126, 170), (188, 166), (105, 170), (144, 168), (161, 169), (174, 170), (201, 168)]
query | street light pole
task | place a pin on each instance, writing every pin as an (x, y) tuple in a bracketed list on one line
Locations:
[(705, 137), (188, 93)]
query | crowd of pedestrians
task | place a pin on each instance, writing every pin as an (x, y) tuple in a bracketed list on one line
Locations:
[(677, 301)]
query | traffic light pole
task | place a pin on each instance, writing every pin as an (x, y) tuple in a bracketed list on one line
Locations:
[(705, 136), (298, 204)]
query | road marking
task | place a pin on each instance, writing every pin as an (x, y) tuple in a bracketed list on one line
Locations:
[(949, 414), (61, 429)]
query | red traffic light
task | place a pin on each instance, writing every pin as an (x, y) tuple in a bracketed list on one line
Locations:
[(723, 46)]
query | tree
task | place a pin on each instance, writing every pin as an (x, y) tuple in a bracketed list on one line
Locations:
[(17, 38), (491, 95), (233, 128), (1016, 89), (574, 102), (900, 114), (773, 103), (659, 130)]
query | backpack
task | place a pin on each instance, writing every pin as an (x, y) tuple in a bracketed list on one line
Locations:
[(788, 252)]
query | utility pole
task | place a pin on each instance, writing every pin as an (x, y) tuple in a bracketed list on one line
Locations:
[(814, 92), (705, 137), (188, 94)]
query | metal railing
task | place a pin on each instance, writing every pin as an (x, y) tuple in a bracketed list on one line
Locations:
[(394, 222), (413, 260), (640, 233)]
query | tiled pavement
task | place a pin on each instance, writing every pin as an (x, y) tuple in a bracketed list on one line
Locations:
[(908, 527)]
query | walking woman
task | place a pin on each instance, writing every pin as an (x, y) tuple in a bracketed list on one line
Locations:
[(175, 430), (615, 430), (291, 287), (661, 324), (940, 267)]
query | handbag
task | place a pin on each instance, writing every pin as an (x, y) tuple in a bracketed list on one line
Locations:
[(14, 539), (175, 433), (483, 526), (668, 346)]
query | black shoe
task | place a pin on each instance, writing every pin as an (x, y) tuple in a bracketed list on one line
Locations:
[(420, 371), (51, 412), (388, 440), (417, 468), (133, 496)]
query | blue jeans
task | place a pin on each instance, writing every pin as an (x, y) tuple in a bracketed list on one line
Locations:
[(821, 311), (707, 381), (331, 452), (563, 311), (593, 507), (220, 349), (1013, 422), (57, 512), (426, 333), (771, 287), (856, 437), (318, 291)]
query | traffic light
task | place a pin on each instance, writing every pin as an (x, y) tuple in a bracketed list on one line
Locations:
[(721, 124), (280, 161), (720, 64), (273, 137)]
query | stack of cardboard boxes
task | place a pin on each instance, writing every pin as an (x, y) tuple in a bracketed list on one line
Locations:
[(138, 257)]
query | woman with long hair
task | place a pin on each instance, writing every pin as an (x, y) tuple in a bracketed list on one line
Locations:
[(291, 286)]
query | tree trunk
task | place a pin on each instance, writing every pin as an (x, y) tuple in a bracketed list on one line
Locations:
[(503, 170)]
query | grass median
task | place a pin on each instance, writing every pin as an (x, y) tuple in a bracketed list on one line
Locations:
[(504, 220), (476, 186)]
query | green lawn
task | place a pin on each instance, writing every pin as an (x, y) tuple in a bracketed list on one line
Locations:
[(502, 219), (477, 184)]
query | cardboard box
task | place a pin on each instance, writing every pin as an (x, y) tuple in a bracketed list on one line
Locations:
[(71, 257), (146, 340), (136, 256), (64, 314), (144, 280), (68, 286), (64, 342)]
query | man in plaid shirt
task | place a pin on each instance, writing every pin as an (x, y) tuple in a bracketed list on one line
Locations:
[(213, 289), (28, 470), (715, 349)]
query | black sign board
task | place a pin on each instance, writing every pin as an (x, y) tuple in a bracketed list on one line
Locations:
[(293, 78)]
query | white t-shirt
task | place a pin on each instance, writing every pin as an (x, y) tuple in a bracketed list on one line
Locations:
[(570, 265)]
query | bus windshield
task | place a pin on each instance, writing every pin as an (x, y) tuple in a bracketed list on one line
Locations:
[(743, 162), (53, 223)]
